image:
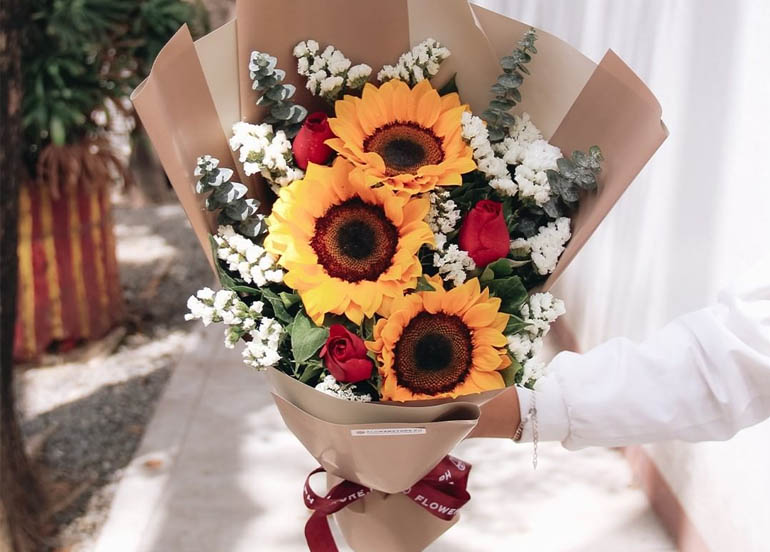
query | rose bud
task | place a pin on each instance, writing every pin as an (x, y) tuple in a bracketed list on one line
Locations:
[(484, 234), (344, 356), (309, 146)]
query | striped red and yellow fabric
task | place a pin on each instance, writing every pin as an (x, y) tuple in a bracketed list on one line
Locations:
[(69, 287)]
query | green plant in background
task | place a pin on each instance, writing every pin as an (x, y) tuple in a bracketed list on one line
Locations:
[(79, 54)]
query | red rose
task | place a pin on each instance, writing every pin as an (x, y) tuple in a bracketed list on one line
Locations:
[(344, 355), (484, 234), (308, 146)]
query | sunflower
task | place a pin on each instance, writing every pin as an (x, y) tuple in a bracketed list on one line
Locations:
[(347, 248), (410, 139), (441, 343)]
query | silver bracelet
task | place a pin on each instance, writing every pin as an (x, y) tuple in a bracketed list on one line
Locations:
[(531, 415)]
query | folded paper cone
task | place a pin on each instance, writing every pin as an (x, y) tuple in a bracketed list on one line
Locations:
[(197, 91), (389, 456), (381, 522)]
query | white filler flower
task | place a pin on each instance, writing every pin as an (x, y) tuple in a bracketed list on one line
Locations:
[(329, 73), (548, 244), (421, 62), (246, 258), (540, 311), (332, 387), (493, 167), (265, 152)]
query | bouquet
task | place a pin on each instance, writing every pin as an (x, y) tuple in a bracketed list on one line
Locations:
[(386, 221)]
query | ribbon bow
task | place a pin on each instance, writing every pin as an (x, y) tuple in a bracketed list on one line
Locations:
[(442, 492)]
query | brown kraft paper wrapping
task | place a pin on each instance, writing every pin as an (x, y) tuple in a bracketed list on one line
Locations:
[(368, 524), (196, 91), (181, 119)]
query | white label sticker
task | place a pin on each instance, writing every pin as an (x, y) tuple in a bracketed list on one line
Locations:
[(388, 431)]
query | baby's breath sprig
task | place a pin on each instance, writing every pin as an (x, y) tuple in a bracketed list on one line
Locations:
[(329, 73), (283, 113), (421, 62), (506, 89)]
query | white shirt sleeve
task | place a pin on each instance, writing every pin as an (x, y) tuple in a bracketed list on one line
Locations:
[(705, 376)]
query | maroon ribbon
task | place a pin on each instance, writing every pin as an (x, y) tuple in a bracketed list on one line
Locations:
[(442, 493)]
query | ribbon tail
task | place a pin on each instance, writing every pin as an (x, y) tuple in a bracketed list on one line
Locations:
[(318, 534)]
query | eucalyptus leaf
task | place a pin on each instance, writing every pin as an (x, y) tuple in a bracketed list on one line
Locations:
[(570, 192), (510, 80), (528, 227), (566, 167), (551, 207)]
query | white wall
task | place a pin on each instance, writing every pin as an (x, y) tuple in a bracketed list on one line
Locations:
[(699, 210)]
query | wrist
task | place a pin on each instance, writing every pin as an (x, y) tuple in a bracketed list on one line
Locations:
[(499, 417)]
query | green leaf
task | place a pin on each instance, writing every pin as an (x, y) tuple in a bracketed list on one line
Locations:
[(367, 329), (512, 292), (424, 285), (509, 373), (515, 325), (487, 275), (501, 268), (289, 299), (58, 133), (277, 303), (449, 87), (311, 371), (306, 337)]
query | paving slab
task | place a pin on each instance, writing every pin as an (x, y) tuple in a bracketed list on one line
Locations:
[(217, 471)]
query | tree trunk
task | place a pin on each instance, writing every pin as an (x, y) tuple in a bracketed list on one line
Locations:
[(20, 498)]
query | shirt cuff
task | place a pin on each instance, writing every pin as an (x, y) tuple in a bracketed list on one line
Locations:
[(552, 418)]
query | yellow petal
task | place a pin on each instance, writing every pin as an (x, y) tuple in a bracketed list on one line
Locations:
[(481, 315), (489, 336), (485, 358), (487, 381), (428, 108)]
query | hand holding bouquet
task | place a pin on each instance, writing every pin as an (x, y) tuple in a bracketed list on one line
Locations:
[(399, 223)]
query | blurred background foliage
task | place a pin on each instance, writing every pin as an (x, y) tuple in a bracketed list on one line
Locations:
[(79, 54)]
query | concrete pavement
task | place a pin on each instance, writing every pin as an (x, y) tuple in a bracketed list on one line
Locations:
[(217, 471)]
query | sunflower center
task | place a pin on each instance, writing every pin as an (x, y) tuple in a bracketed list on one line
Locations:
[(433, 354), (355, 241), (405, 147)]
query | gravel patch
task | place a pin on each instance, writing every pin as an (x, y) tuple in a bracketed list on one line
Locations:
[(84, 420)]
